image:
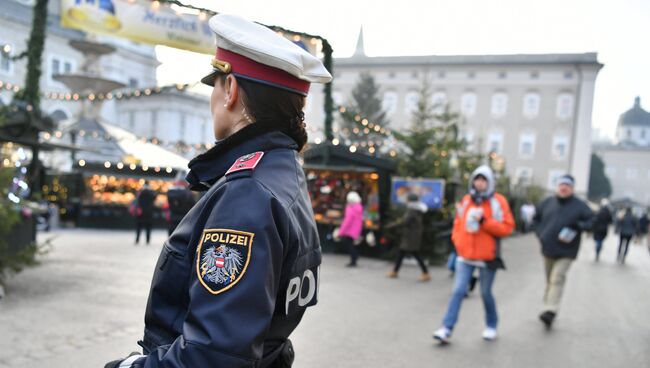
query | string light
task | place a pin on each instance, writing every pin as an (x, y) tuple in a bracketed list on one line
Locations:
[(82, 163)]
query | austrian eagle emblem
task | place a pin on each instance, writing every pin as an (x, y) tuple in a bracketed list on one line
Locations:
[(223, 256)]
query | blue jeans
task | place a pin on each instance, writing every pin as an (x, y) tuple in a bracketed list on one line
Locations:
[(463, 275)]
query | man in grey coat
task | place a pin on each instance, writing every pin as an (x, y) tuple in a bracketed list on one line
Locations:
[(559, 221)]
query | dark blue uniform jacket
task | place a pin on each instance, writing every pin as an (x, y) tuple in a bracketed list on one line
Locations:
[(235, 277)]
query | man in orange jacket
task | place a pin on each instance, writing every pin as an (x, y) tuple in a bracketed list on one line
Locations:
[(482, 218)]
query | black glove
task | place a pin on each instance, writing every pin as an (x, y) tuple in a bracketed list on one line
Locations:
[(116, 363)]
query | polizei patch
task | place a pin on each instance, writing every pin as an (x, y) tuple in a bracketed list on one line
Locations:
[(222, 258)]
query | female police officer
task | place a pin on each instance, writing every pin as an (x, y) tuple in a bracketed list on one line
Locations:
[(233, 280)]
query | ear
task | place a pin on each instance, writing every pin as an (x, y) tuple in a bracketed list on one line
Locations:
[(232, 92)]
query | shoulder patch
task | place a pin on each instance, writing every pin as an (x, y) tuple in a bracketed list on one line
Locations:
[(222, 258), (246, 162)]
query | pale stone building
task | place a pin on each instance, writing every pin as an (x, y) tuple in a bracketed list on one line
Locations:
[(533, 110), (169, 116), (627, 164)]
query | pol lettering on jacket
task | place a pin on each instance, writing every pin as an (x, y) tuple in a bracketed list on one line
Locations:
[(295, 288)]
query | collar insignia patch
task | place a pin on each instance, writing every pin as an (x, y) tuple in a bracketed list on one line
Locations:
[(222, 258), (246, 162)]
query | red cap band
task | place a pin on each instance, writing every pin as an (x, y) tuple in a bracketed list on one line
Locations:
[(262, 73)]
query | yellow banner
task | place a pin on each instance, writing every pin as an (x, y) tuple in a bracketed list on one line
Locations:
[(149, 22)]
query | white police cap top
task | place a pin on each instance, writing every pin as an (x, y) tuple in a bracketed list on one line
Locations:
[(255, 52)]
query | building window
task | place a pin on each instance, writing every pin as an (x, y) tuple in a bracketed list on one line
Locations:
[(133, 83), (629, 134), (442, 75), (495, 142), (524, 176), (132, 121), (389, 102), (553, 177), (499, 104), (414, 75), (59, 65), (631, 173), (564, 106), (469, 140), (468, 104), (642, 133), (568, 75), (411, 101), (439, 102), (527, 145), (471, 75), (503, 75), (6, 64), (534, 75), (531, 105), (560, 147), (182, 127), (391, 75)]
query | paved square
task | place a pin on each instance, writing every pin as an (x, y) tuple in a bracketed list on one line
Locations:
[(84, 306)]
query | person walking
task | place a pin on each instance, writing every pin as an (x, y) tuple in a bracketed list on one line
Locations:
[(144, 220), (627, 227), (527, 212), (352, 227), (559, 222), (180, 200), (482, 219), (411, 241), (241, 269), (602, 221)]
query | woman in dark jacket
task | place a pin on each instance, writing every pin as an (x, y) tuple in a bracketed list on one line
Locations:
[(627, 227), (239, 271), (601, 225), (411, 241)]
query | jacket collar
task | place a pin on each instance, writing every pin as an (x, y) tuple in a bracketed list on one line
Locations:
[(210, 166)]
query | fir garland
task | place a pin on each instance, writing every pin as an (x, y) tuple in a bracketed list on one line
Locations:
[(30, 94)]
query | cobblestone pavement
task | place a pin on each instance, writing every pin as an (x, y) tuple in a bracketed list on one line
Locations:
[(84, 304)]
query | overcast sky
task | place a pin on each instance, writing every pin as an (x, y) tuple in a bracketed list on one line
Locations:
[(618, 30)]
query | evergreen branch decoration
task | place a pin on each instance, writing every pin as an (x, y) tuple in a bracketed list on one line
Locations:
[(35, 45)]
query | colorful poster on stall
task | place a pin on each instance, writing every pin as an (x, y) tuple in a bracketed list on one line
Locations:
[(140, 21), (430, 191)]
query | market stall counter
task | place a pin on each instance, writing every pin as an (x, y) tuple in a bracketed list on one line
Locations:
[(332, 172)]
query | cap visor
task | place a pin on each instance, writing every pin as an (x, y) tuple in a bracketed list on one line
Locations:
[(209, 79)]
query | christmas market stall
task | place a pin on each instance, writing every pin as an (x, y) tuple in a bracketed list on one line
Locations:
[(108, 174), (332, 172)]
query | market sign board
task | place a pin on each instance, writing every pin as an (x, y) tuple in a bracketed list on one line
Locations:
[(430, 191), (140, 22)]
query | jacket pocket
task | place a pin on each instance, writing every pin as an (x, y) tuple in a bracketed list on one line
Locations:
[(169, 292)]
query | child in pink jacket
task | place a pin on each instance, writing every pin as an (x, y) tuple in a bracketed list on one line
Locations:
[(352, 226)]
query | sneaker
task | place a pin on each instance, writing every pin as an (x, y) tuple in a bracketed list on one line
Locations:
[(547, 318), (424, 277), (443, 334), (489, 334), (351, 265), (392, 275)]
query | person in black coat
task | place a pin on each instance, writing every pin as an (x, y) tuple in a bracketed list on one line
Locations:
[(180, 200), (559, 222), (601, 226), (627, 227), (144, 220)]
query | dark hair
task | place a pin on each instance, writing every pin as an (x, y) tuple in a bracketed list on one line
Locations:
[(274, 106)]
